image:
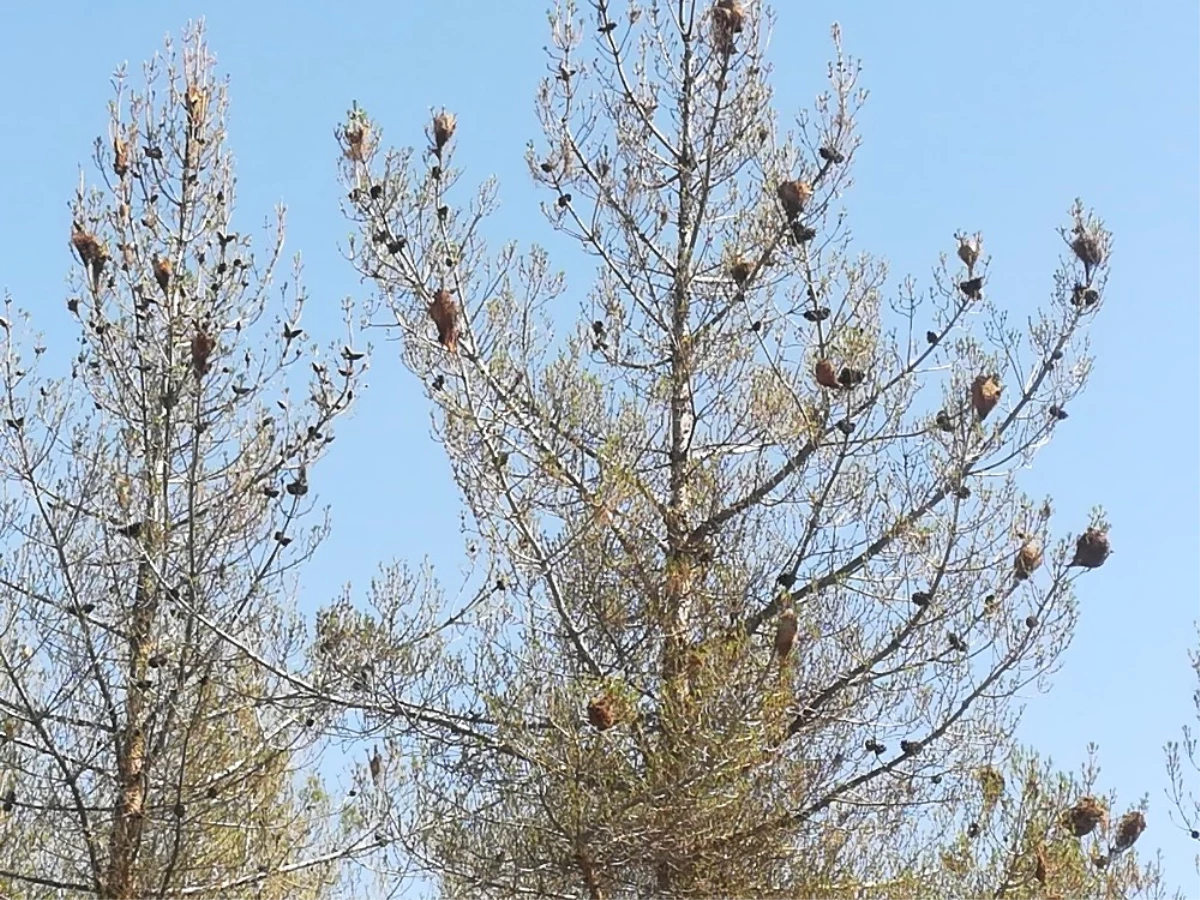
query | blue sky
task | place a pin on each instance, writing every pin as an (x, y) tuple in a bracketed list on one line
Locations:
[(982, 116)]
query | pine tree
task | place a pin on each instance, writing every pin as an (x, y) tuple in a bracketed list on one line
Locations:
[(159, 727), (747, 423)]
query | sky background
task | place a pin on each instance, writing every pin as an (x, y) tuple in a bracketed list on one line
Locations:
[(981, 116)]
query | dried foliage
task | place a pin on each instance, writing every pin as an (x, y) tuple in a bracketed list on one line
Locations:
[(985, 394), (794, 196), (202, 348), (444, 312), (1029, 558), (729, 19), (1085, 815), (444, 124), (91, 253), (357, 142), (785, 633), (826, 374), (162, 272), (601, 713), (1129, 829), (969, 249)]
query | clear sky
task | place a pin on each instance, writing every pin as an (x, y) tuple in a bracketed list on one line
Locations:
[(989, 116)]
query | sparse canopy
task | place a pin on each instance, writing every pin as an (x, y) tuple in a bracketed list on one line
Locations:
[(739, 457), (753, 584), (160, 729)]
